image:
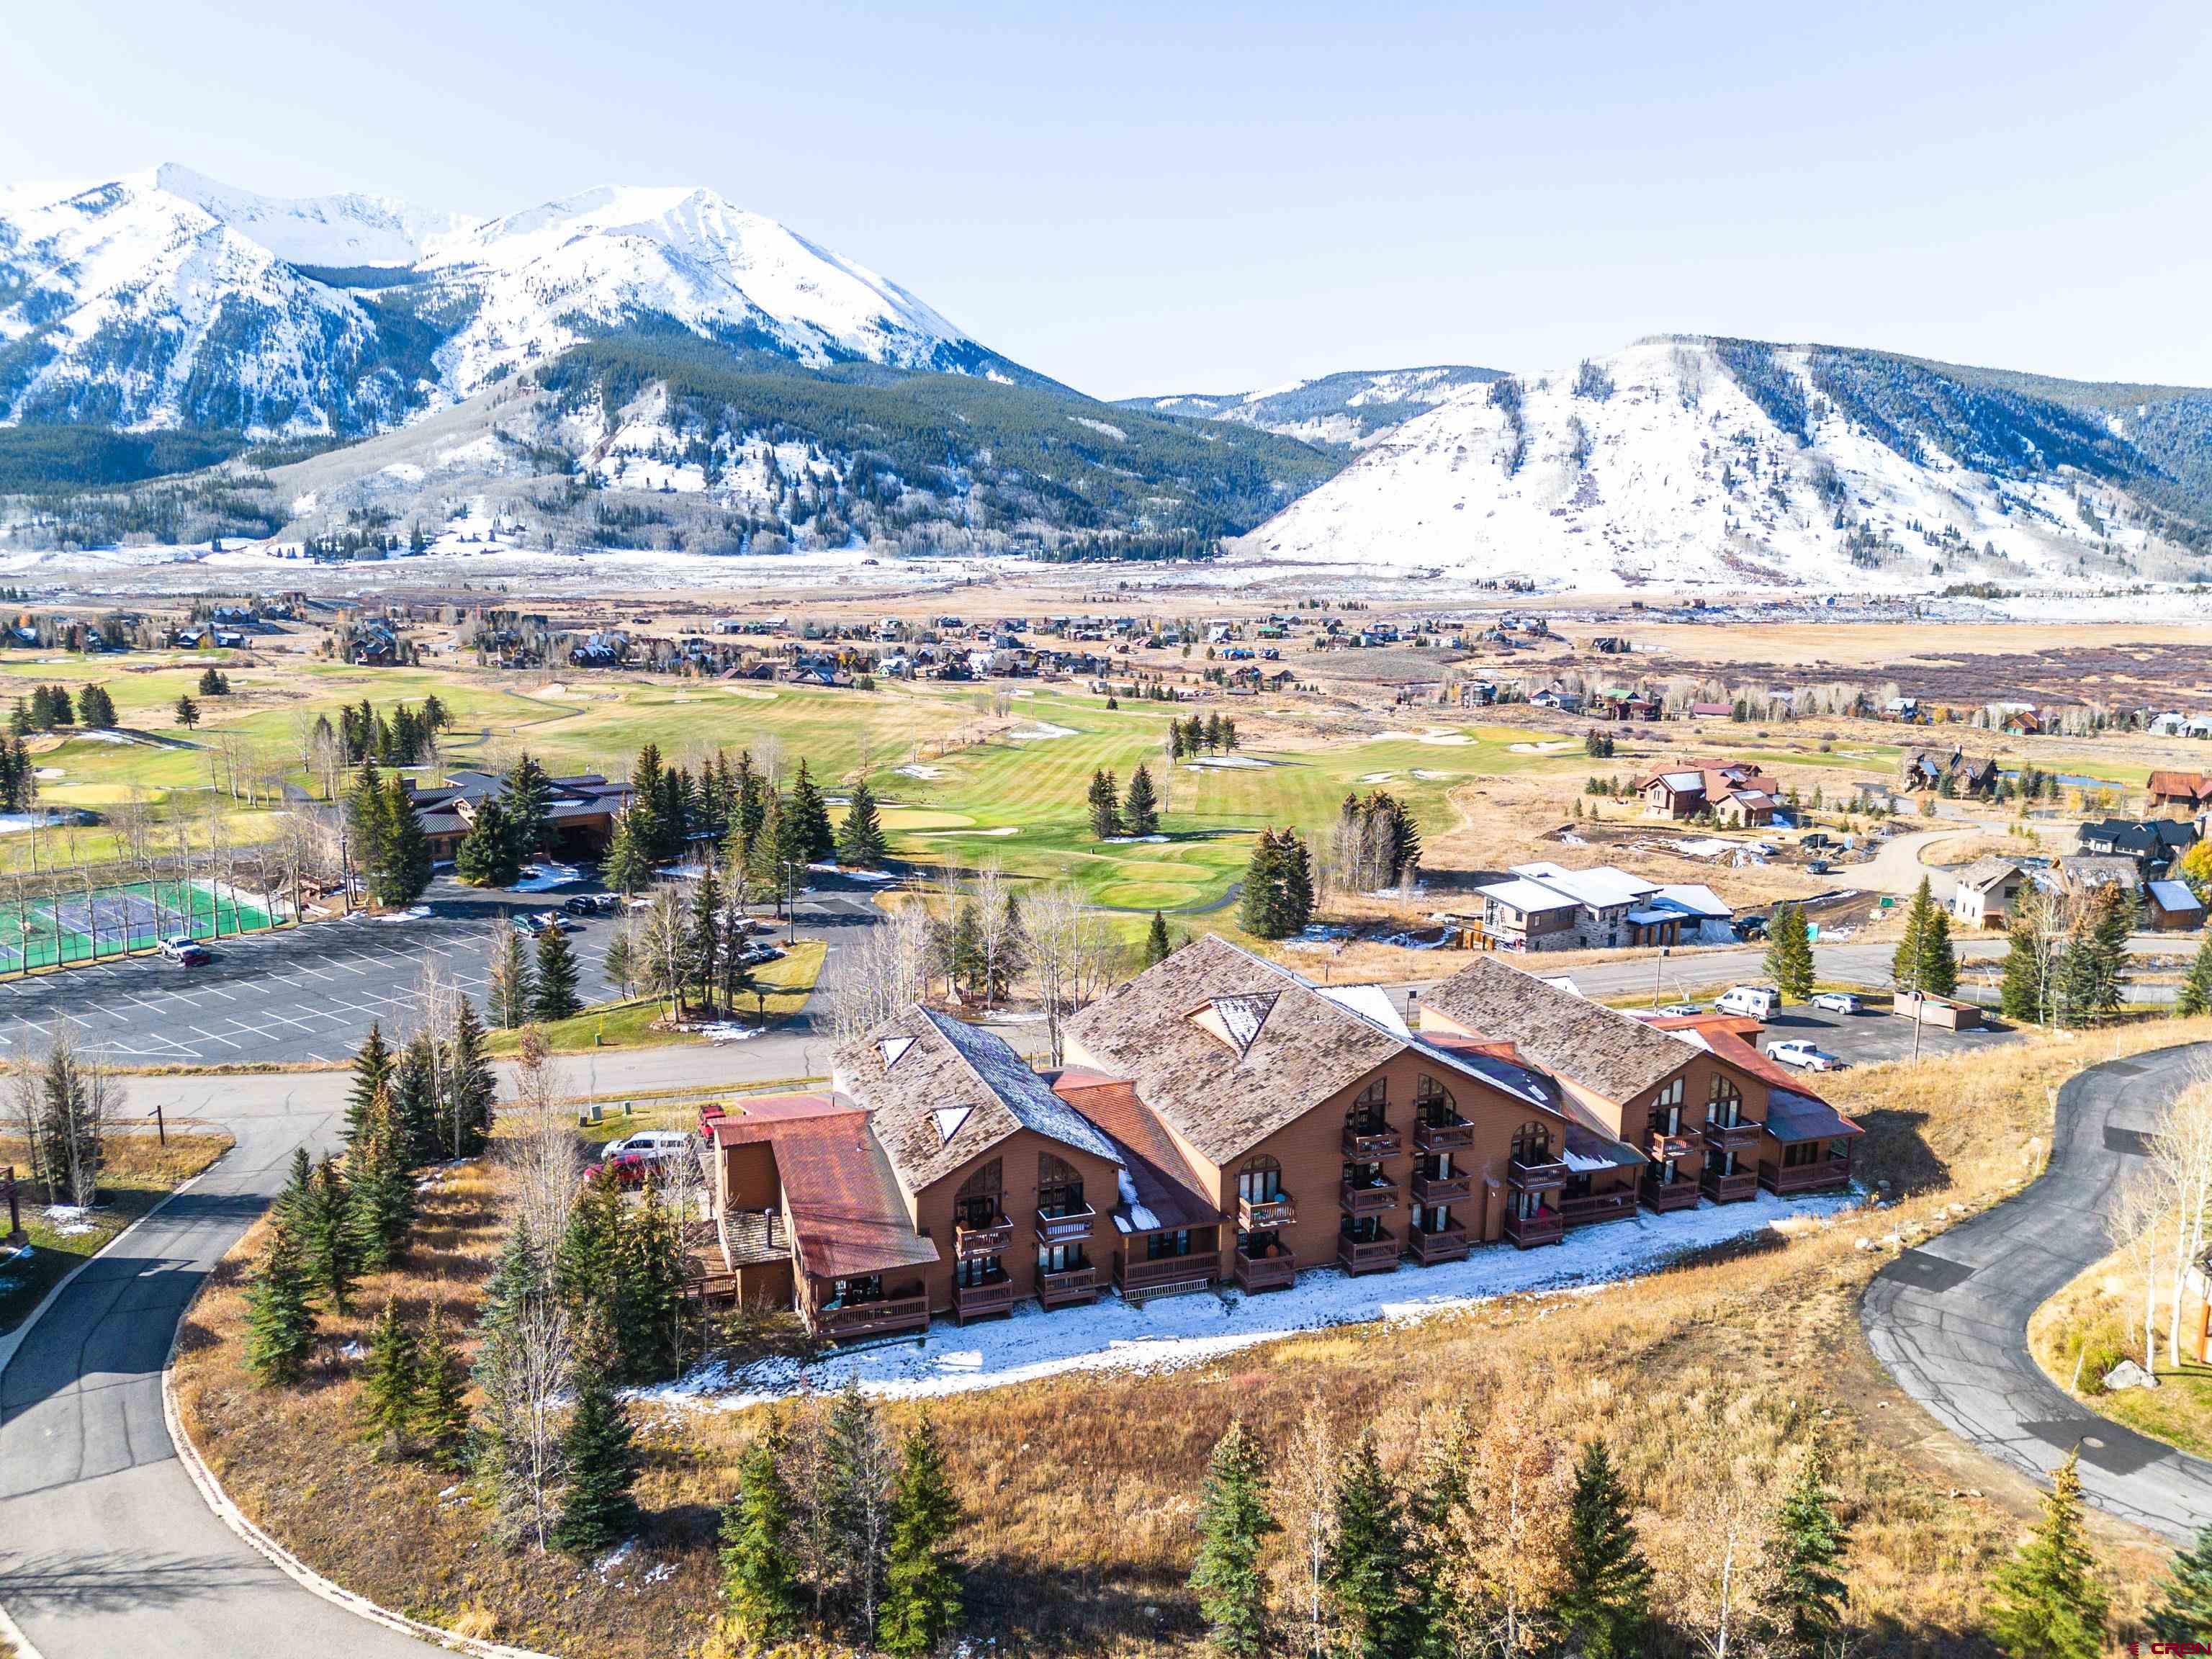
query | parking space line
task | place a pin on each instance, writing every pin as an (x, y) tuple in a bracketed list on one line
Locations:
[(225, 1041)]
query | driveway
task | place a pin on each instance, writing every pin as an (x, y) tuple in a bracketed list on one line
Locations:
[(1949, 1319)]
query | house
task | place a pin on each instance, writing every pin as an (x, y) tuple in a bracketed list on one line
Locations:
[(1985, 892), (581, 810), (1966, 774), (1713, 711), (1907, 710), (2171, 907), (1223, 1120), (1736, 793), (1547, 907), (2153, 843), (2084, 873), (2185, 793)]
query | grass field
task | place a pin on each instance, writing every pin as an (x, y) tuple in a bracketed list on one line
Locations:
[(633, 1024)]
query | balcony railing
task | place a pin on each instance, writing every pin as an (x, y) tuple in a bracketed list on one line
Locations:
[(883, 1317), (1783, 1180), (990, 1239), (1454, 1137), (992, 1295), (1066, 1229), (1368, 1197), (1613, 1205), (1378, 1255), (1663, 1143), (1432, 1246), (1068, 1286), (1452, 1189), (1536, 1175), (1729, 1188), (1546, 1226), (1670, 1195), (1733, 1137), (1264, 1215), (1170, 1275), (1273, 1273), (1366, 1146)]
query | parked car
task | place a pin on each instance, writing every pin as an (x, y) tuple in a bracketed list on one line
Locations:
[(1758, 1002), (1820, 867), (1805, 1056), (1680, 1009), (184, 951), (1749, 927), (529, 925), (584, 904), (546, 919), (635, 1157), (1839, 1002)]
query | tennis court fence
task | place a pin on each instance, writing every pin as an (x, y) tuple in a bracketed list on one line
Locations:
[(50, 923)]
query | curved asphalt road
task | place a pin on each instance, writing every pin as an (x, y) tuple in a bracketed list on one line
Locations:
[(1950, 1319)]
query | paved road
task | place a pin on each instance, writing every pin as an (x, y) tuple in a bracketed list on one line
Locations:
[(1950, 1319)]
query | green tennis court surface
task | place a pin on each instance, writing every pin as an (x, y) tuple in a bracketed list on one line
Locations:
[(110, 921)]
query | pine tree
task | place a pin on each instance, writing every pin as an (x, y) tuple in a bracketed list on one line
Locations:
[(1608, 1599), (188, 713), (921, 1586), (646, 803), (390, 1388), (380, 1185), (415, 1093), (1298, 883), (96, 709), (1366, 1567), (967, 945), (2183, 1612), (509, 988), (556, 995), (471, 1087), (2112, 919), (2047, 1601), (1156, 947), (860, 842), (811, 817), (528, 799), (280, 1315), (2022, 995), (648, 1302), (1105, 803), (408, 867), (706, 943), (1261, 912), (859, 1501), (1233, 1521), (760, 1590), (372, 1071), (2195, 996), (627, 867), (1938, 957), (1808, 1592), (1907, 961), (1141, 808), (599, 1508), (1790, 952), (330, 1238), (368, 826), (487, 856), (441, 1411)]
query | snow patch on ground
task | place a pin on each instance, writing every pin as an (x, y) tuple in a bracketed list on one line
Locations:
[(1226, 763), (1040, 731), (1559, 747), (1188, 1330), (544, 877), (70, 1220)]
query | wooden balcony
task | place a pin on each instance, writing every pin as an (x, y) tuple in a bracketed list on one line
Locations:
[(887, 1316), (1660, 1146), (970, 1243), (1444, 1244), (1264, 1215), (1729, 1188), (1546, 1226), (1674, 1195), (1069, 1229), (1786, 1182), (992, 1295), (1737, 1137), (1274, 1272), (1378, 1255), (1455, 1188), (1536, 1175), (1370, 1146), (1068, 1286), (1613, 1206), (1172, 1275), (1455, 1137), (1368, 1198)]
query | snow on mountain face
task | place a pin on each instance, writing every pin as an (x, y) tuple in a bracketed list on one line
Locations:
[(167, 299), (1349, 410), (1659, 467)]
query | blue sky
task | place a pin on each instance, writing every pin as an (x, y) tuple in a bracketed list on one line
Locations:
[(1155, 197)]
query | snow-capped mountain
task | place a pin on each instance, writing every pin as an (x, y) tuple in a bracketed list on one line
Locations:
[(1345, 410), (1684, 462), (165, 299)]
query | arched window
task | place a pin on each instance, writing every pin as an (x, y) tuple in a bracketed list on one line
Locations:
[(1059, 1188), (1369, 1114), (1260, 1180), (1532, 1144), (1433, 1103), (1725, 1102), (982, 1196)]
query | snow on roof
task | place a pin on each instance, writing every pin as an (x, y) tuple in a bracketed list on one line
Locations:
[(1369, 1002), (1527, 895), (1697, 899), (1598, 886), (1243, 1015)]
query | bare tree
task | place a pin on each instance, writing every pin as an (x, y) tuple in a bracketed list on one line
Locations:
[(664, 947), (1305, 1490), (1508, 1530), (994, 929), (2181, 1154), (886, 970), (2139, 1223), (1073, 956), (523, 1369), (61, 1105), (1727, 1567), (540, 1148)]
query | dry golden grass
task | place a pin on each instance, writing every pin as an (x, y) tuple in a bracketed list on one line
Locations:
[(1080, 1491)]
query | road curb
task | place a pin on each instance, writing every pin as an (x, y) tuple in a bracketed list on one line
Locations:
[(283, 1560)]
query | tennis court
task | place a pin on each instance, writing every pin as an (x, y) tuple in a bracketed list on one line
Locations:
[(66, 929)]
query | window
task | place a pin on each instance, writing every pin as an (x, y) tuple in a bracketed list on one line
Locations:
[(982, 1198), (1722, 1163), (868, 1288), (1435, 1167), (1369, 1114), (1365, 1175), (1666, 1108), (1532, 1144), (1433, 1104), (1725, 1102), (1059, 1188), (1799, 1153), (978, 1270), (1159, 1247), (1259, 1181), (1432, 1218), (1060, 1258), (1664, 1173), (1360, 1229)]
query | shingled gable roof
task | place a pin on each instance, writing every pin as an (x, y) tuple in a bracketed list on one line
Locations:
[(1164, 1031), (939, 1092), (1582, 1041)]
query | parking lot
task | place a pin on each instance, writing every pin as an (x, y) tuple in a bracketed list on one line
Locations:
[(1874, 1034)]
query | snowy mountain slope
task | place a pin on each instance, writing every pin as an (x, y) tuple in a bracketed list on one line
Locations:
[(1348, 411), (168, 299), (1686, 462)]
